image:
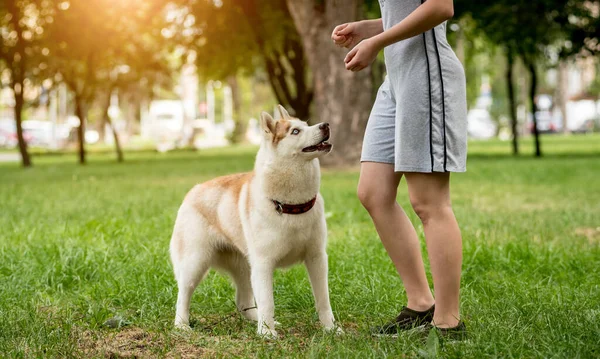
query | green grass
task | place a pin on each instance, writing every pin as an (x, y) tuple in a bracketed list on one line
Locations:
[(79, 245)]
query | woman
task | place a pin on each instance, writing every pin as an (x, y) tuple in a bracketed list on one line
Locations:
[(416, 130)]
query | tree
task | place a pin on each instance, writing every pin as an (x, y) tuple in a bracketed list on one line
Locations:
[(93, 39), (236, 36), (79, 30), (567, 25), (280, 46), (504, 33), (22, 24), (230, 36), (341, 97), (137, 68)]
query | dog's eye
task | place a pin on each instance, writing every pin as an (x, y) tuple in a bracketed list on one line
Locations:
[(295, 131)]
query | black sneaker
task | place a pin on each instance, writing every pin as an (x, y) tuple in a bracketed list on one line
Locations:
[(456, 333), (406, 320)]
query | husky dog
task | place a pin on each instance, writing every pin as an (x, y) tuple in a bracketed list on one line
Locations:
[(249, 224)]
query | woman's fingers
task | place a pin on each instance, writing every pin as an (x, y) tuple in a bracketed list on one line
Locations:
[(336, 31), (350, 55), (352, 63), (348, 42), (357, 68), (339, 40), (345, 30), (340, 27), (355, 63)]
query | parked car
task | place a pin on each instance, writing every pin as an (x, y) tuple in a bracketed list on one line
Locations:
[(480, 124), (165, 124), (547, 122), (8, 134), (40, 133), (587, 126), (583, 115)]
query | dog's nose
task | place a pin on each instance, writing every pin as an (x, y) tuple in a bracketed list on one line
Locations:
[(324, 126)]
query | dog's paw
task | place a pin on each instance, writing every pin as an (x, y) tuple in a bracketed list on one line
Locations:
[(267, 333), (336, 329), (183, 327)]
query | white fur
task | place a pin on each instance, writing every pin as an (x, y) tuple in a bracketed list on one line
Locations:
[(250, 243)]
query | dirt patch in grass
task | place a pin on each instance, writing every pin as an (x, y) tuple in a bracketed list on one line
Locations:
[(592, 234), (137, 343)]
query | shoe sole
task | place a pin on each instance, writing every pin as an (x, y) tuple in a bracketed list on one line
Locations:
[(404, 331)]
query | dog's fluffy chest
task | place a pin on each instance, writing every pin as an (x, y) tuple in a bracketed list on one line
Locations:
[(285, 238)]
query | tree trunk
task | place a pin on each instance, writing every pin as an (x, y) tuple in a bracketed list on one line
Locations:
[(18, 93), (341, 97), (512, 101), (532, 93), (460, 43), (563, 85), (240, 125), (102, 124), (17, 66), (118, 149), (290, 89), (81, 112), (303, 95), (106, 119)]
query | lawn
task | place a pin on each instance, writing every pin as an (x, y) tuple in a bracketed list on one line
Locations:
[(80, 245)]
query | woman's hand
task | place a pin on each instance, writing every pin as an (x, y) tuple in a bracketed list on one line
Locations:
[(362, 55), (349, 34)]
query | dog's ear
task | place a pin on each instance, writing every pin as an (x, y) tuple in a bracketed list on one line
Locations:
[(267, 123), (283, 112)]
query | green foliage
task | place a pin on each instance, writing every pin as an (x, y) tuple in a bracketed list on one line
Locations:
[(237, 37), (223, 39), (102, 42), (232, 36), (80, 245), (529, 28), (594, 88), (256, 94), (478, 54), (23, 35)]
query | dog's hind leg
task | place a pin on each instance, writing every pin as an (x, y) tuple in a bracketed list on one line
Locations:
[(187, 281), (191, 261)]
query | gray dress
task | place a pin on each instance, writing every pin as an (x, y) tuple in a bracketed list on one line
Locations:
[(419, 119)]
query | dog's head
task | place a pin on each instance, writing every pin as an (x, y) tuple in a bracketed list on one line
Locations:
[(293, 138)]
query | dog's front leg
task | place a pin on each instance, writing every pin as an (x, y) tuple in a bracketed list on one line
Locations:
[(317, 272), (262, 285)]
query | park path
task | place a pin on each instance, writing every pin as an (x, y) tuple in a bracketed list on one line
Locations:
[(9, 157)]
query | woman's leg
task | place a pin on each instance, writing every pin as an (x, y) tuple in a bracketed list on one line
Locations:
[(377, 189), (430, 197)]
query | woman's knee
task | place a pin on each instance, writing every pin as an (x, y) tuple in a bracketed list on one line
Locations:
[(373, 198), (428, 210)]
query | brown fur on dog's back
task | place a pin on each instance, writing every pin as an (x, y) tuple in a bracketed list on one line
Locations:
[(207, 198)]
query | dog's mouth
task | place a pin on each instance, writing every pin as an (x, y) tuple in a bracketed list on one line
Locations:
[(321, 146)]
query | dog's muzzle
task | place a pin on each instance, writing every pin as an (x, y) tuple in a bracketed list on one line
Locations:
[(323, 145)]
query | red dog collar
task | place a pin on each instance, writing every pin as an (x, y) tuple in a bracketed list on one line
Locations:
[(294, 208)]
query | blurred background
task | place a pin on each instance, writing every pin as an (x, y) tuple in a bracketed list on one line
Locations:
[(160, 75)]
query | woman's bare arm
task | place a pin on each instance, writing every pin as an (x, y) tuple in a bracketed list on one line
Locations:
[(373, 27), (427, 16)]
